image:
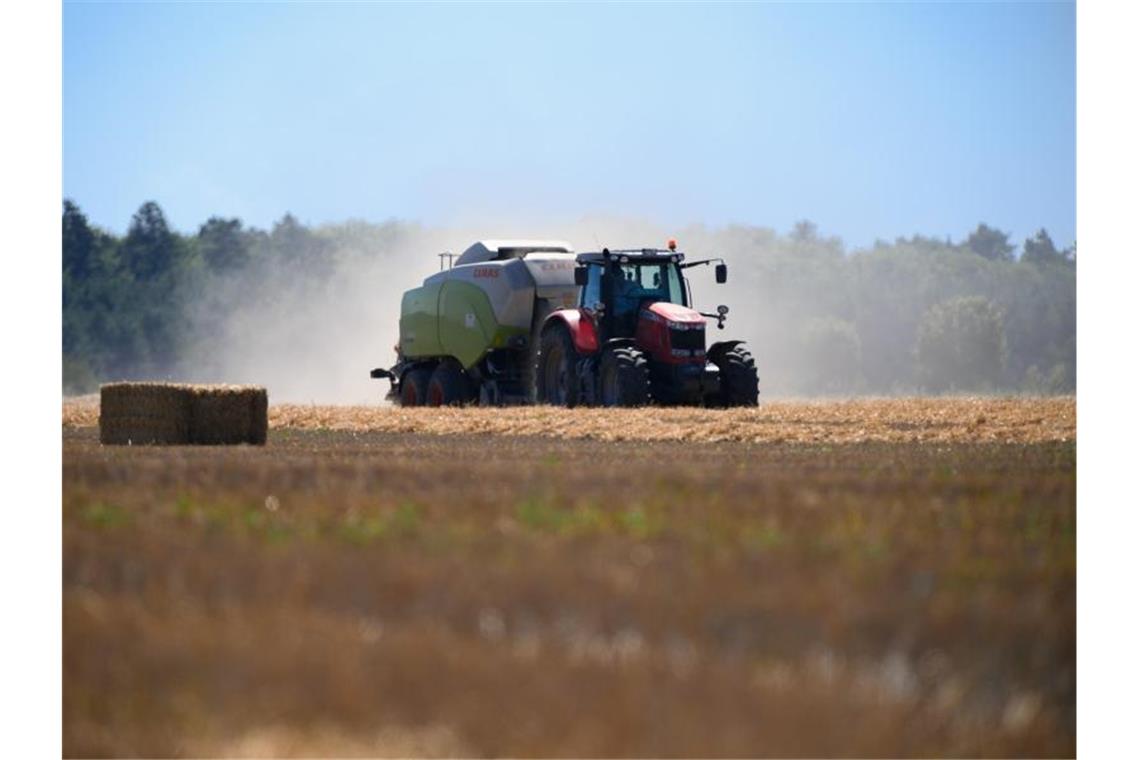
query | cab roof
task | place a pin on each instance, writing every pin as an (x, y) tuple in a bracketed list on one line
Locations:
[(631, 256)]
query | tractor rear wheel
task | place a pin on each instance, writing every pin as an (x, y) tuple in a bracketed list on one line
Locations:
[(557, 365), (414, 387), (447, 386), (624, 377), (530, 368), (739, 385)]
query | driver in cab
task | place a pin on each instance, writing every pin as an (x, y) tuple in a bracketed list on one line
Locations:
[(627, 293)]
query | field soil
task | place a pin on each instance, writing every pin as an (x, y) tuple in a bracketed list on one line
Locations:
[(882, 578)]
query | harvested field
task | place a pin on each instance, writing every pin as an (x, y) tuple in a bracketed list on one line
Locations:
[(366, 585), (982, 419)]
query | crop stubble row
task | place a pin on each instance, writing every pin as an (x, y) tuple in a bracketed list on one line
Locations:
[(901, 420)]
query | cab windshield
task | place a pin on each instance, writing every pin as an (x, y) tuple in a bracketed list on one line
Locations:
[(636, 283)]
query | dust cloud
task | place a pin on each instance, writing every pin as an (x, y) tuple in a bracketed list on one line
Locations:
[(311, 332), (310, 323)]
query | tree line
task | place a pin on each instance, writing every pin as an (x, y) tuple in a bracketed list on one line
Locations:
[(913, 315)]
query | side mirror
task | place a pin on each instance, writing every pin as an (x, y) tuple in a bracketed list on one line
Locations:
[(722, 273), (581, 275)]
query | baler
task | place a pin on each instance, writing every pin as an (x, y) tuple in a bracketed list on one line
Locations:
[(470, 332)]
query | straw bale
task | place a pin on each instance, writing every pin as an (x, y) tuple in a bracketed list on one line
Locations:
[(143, 413), (171, 413), (221, 414)]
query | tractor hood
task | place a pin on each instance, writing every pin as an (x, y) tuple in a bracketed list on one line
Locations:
[(676, 314)]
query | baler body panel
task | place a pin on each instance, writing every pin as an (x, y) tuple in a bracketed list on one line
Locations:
[(467, 310), (467, 324), (553, 277), (419, 321)]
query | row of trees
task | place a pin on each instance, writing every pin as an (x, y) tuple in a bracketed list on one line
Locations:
[(914, 315), (132, 304), (919, 314)]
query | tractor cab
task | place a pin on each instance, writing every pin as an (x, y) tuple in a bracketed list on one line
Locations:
[(617, 286)]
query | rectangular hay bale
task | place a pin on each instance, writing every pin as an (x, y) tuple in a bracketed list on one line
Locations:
[(143, 413), (228, 415), (171, 413)]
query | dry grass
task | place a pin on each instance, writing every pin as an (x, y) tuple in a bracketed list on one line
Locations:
[(81, 411), (930, 420), (894, 420), (345, 593)]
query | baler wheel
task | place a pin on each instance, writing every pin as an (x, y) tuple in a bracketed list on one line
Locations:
[(447, 386), (414, 387)]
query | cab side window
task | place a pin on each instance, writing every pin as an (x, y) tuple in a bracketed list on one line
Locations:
[(592, 293)]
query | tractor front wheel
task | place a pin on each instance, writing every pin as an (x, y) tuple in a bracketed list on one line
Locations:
[(739, 385), (557, 369), (624, 377)]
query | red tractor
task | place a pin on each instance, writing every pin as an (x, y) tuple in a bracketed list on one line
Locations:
[(635, 338)]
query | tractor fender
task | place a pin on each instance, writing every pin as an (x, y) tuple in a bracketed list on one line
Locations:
[(582, 329), (720, 347)]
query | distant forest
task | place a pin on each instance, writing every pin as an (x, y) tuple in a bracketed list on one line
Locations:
[(916, 315)]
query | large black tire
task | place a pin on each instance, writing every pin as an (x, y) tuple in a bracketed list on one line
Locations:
[(414, 387), (624, 377), (447, 386), (739, 385), (556, 380), (529, 373)]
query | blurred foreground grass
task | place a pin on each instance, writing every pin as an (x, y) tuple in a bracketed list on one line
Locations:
[(368, 593)]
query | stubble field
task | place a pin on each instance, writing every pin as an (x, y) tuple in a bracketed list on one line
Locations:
[(889, 577)]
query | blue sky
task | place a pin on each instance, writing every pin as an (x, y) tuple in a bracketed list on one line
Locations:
[(873, 120)]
